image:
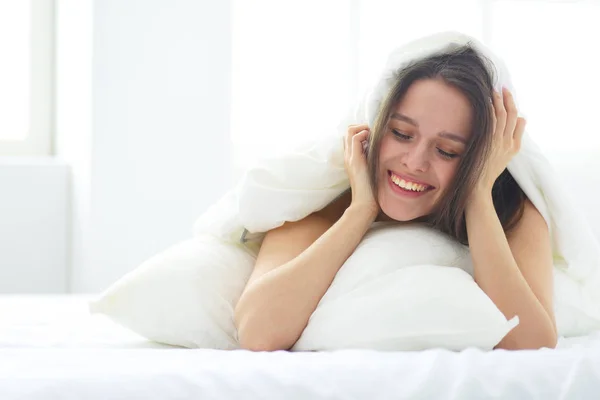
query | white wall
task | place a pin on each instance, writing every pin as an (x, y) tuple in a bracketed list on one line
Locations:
[(150, 144), (142, 123), (34, 216)]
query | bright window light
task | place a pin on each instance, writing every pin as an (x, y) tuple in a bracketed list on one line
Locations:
[(15, 72)]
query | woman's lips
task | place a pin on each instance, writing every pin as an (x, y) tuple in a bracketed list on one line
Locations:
[(412, 180), (404, 192)]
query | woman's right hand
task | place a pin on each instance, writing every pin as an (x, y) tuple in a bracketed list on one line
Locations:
[(355, 162)]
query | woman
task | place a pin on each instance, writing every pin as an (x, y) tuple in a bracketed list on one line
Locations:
[(438, 153)]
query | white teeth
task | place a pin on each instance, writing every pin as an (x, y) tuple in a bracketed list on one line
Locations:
[(408, 185)]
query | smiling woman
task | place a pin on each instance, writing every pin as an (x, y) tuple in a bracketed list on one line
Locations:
[(414, 148), (411, 171), (435, 128), (436, 152)]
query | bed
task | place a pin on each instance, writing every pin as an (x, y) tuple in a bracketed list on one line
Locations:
[(52, 348)]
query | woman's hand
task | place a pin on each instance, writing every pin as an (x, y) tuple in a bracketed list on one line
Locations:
[(506, 139), (355, 162)]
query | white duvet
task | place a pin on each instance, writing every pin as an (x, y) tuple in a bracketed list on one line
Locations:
[(292, 185), (52, 348)]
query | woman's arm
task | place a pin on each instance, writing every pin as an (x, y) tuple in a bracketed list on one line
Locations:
[(295, 266), (515, 272)]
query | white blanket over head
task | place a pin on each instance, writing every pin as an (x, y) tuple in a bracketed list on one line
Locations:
[(291, 186)]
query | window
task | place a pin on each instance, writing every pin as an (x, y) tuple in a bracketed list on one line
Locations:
[(26, 77), (554, 67)]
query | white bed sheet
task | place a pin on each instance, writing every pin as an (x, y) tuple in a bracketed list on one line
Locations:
[(52, 348)]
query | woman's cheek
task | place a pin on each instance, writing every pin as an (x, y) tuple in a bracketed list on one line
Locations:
[(445, 176)]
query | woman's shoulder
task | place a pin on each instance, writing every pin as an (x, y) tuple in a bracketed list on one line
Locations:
[(335, 209)]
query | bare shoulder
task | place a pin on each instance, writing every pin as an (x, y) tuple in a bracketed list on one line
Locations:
[(334, 210), (531, 227)]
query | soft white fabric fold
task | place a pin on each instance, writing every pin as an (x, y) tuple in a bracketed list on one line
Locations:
[(290, 186)]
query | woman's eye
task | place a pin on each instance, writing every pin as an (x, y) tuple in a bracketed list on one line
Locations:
[(447, 155), (407, 137), (400, 135)]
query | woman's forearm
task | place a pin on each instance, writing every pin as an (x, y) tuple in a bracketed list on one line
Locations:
[(274, 310), (499, 276)]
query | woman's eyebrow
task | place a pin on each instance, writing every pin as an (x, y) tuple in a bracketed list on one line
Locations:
[(444, 134), (404, 118), (452, 136)]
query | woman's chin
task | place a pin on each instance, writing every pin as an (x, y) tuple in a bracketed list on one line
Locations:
[(394, 210), (398, 216)]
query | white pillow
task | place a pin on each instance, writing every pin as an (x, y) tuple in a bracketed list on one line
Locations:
[(183, 296), (414, 308), (387, 296), (382, 297)]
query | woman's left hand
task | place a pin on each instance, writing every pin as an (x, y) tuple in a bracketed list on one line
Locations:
[(506, 139)]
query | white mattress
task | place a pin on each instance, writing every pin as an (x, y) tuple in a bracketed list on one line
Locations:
[(51, 348)]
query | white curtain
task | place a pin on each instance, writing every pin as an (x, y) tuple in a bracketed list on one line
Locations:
[(299, 65)]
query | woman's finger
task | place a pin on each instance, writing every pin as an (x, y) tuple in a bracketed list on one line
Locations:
[(519, 131), (358, 139), (494, 119), (511, 114), (500, 113), (352, 131)]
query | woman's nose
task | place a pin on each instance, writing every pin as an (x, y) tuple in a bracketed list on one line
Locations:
[(416, 159)]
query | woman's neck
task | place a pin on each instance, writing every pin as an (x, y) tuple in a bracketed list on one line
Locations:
[(383, 217)]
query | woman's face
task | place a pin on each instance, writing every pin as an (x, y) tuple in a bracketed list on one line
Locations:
[(435, 119)]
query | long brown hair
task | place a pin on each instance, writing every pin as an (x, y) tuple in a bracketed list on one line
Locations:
[(464, 68)]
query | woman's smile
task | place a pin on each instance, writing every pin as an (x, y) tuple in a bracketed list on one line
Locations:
[(405, 189)]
